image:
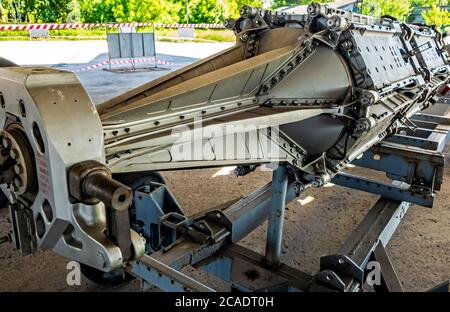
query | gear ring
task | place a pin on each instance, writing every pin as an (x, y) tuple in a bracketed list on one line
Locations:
[(18, 168)]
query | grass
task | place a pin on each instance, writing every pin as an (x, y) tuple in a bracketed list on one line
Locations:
[(163, 34)]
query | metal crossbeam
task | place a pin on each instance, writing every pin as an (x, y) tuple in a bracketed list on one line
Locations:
[(385, 190), (390, 281), (246, 271), (166, 278), (374, 231)]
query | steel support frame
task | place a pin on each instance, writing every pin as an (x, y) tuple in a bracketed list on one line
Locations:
[(246, 270), (417, 161), (276, 215)]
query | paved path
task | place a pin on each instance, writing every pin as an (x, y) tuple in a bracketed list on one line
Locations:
[(100, 84)]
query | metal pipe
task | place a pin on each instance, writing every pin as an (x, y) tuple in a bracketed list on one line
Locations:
[(112, 193), (276, 215)]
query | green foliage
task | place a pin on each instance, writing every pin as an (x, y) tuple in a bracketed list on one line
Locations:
[(291, 3), (398, 9), (232, 6), (197, 11), (73, 12), (437, 16), (202, 11)]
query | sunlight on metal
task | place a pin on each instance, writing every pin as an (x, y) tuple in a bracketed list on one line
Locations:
[(224, 171), (306, 200)]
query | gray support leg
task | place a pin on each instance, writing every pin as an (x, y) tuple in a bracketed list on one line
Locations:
[(276, 215)]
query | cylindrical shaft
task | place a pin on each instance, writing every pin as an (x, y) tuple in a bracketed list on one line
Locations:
[(111, 192), (276, 215)]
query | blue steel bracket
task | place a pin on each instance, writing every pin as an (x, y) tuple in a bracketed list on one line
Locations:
[(374, 231), (343, 266), (151, 203), (416, 166), (442, 120), (335, 270), (246, 271), (414, 157), (423, 196)]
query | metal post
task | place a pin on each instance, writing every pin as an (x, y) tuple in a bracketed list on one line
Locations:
[(276, 215)]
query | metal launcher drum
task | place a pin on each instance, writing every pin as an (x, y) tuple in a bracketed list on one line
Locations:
[(309, 93)]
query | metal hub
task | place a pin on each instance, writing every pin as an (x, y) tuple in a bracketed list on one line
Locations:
[(17, 167)]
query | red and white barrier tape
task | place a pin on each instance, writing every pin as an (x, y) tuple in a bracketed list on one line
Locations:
[(108, 25), (129, 61)]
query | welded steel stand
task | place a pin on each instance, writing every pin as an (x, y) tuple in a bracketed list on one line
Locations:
[(414, 161), (276, 215)]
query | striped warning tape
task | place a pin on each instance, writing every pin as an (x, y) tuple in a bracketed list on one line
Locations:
[(129, 61), (107, 25)]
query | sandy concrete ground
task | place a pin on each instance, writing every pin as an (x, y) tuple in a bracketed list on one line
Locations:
[(420, 249)]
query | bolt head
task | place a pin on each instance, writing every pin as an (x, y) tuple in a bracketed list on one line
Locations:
[(18, 169), (18, 182), (12, 187), (14, 153), (6, 142)]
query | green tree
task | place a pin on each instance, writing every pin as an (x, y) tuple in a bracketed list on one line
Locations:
[(292, 3), (202, 11), (398, 9), (152, 10), (232, 7), (73, 12), (52, 10), (129, 10), (97, 11), (436, 15)]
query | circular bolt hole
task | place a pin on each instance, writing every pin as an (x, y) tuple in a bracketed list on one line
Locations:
[(38, 137), (40, 225), (22, 109), (122, 198), (48, 211)]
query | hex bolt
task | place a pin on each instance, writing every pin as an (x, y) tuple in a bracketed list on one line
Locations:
[(6, 142), (18, 182), (14, 153), (18, 169)]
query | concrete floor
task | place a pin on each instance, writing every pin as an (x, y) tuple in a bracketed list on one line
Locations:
[(317, 224)]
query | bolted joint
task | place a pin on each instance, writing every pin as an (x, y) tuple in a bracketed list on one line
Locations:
[(248, 12), (369, 97), (229, 23), (320, 180), (316, 9), (337, 23)]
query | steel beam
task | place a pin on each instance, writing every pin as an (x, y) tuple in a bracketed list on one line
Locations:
[(164, 277), (246, 214), (443, 120), (374, 231), (245, 270), (406, 163), (390, 281), (276, 215), (378, 226), (388, 191)]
